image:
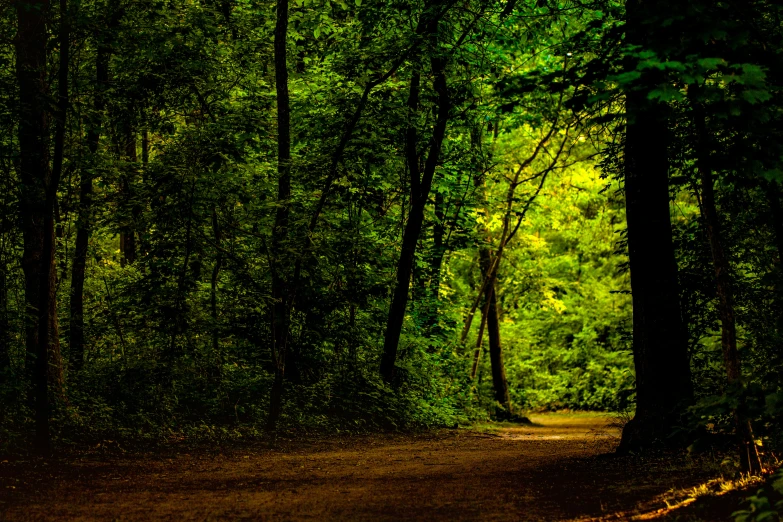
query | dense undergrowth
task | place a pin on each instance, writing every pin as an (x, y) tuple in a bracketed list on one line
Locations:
[(193, 231)]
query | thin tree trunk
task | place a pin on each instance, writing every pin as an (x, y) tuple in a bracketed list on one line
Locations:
[(507, 234), (281, 293), (214, 288), (49, 332), (181, 322), (499, 382), (84, 220), (660, 349), (490, 315), (410, 236), (420, 194), (433, 13), (479, 340), (749, 456), (436, 263)]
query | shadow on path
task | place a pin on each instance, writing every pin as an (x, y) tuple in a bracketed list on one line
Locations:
[(561, 469)]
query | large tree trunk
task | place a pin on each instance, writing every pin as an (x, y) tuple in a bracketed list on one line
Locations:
[(749, 457), (34, 175), (663, 381), (84, 221), (281, 291), (38, 194), (420, 191)]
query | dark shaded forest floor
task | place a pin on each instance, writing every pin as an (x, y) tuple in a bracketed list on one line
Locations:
[(561, 469)]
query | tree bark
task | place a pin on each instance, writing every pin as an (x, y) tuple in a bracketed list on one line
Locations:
[(34, 176), (420, 190), (37, 202), (281, 293), (663, 380)]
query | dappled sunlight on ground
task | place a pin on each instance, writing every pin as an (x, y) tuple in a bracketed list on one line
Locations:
[(558, 426)]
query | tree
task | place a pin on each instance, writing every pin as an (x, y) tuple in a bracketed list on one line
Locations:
[(39, 190), (663, 382), (281, 291), (420, 190), (84, 225)]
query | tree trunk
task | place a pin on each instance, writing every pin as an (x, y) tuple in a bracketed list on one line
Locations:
[(37, 202), (420, 191), (490, 315), (34, 176), (84, 221), (213, 294), (281, 291), (480, 339), (436, 262), (663, 382), (499, 382), (48, 327), (749, 457)]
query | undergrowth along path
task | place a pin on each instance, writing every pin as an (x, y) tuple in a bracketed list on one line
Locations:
[(559, 469)]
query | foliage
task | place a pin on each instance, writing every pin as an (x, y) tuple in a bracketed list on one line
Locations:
[(183, 246)]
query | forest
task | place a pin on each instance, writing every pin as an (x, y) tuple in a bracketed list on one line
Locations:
[(228, 222)]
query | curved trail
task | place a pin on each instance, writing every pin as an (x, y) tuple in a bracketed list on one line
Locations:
[(559, 470)]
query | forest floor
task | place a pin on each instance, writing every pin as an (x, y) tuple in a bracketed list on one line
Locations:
[(560, 469)]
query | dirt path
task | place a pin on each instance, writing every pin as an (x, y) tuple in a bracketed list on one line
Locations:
[(556, 471)]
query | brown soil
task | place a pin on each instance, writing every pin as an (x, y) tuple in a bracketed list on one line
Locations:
[(560, 470)]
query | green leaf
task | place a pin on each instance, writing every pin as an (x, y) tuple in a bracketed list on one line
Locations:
[(627, 77), (666, 93), (710, 63)]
